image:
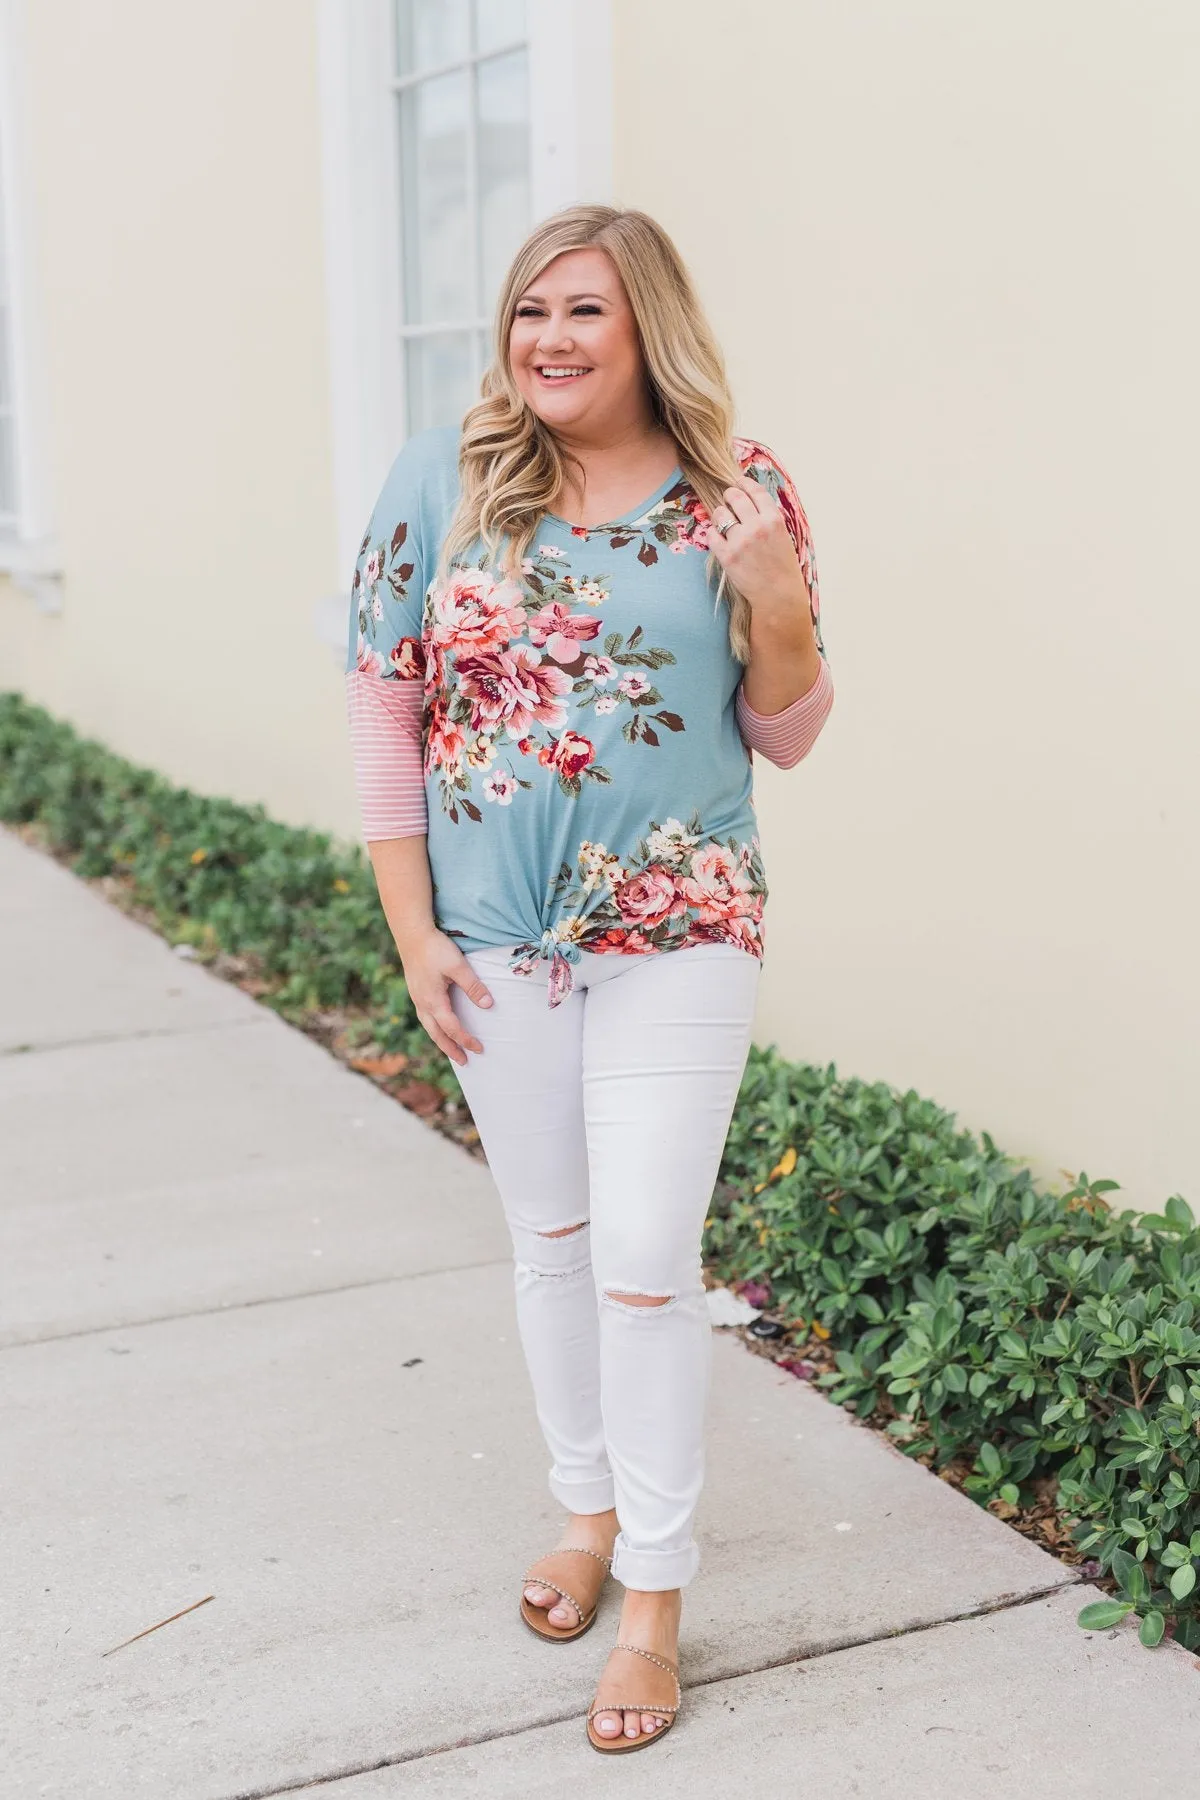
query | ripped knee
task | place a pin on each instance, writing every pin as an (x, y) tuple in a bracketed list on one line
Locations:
[(635, 1297), (564, 1252)]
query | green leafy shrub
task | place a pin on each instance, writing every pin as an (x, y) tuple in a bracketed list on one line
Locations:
[(301, 911), (980, 1320), (1022, 1331)]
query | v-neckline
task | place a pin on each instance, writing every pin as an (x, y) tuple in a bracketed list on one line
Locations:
[(630, 517)]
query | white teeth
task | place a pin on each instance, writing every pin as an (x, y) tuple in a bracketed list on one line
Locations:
[(554, 374)]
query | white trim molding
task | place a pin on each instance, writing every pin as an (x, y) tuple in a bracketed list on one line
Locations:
[(360, 178), (570, 81)]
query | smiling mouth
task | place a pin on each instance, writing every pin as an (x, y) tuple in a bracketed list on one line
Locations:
[(561, 371)]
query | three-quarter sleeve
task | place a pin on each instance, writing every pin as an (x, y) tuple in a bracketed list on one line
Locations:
[(786, 737), (385, 665)]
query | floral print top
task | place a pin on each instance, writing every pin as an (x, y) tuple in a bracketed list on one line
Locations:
[(587, 785)]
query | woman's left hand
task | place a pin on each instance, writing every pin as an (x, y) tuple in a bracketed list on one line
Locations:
[(757, 552)]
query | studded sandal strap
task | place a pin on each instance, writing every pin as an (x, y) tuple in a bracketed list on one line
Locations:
[(555, 1589), (657, 1707), (569, 1550)]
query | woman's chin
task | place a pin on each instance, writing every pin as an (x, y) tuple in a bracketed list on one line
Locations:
[(560, 410)]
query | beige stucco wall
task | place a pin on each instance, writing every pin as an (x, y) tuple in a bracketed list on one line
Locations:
[(175, 166), (952, 251), (953, 254)]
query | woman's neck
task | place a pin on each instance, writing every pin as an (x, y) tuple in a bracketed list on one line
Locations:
[(603, 479)]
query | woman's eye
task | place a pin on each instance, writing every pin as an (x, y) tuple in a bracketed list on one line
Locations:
[(527, 312), (587, 309)]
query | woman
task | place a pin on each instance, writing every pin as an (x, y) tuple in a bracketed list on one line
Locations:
[(571, 623)]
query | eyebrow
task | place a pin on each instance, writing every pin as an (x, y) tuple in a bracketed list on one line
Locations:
[(572, 298)]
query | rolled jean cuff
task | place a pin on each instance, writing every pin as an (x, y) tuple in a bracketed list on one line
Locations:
[(589, 1495), (656, 1571)]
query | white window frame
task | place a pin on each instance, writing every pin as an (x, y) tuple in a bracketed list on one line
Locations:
[(29, 551), (570, 84), (401, 84)]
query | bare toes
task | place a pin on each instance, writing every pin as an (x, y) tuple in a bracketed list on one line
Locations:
[(608, 1724)]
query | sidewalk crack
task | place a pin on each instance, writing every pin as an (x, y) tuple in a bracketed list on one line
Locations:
[(124, 1037), (1005, 1603), (235, 1306)]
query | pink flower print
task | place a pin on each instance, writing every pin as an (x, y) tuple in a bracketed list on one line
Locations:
[(500, 787), (599, 669), (648, 897), (712, 865), (717, 886), (579, 531), (374, 568), (553, 552), (369, 661), (376, 608), (679, 547), (561, 980), (561, 631), (512, 688), (607, 703), (633, 686), (568, 754), (473, 612), (407, 659), (697, 524), (445, 744)]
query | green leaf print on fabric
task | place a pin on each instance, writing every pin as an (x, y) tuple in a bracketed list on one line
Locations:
[(378, 565)]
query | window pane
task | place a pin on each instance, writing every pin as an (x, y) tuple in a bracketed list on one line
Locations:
[(441, 379), (438, 266), (503, 137), (498, 23), (429, 33)]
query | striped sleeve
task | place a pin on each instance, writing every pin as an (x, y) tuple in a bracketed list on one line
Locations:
[(786, 737), (385, 734)]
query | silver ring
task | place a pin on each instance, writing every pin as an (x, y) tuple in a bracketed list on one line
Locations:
[(727, 528)]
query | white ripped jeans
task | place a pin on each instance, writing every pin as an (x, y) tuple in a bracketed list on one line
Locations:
[(609, 1113)]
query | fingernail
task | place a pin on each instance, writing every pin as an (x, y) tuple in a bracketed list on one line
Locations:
[(485, 1000)]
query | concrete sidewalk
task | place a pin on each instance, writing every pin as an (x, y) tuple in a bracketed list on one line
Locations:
[(258, 1344)]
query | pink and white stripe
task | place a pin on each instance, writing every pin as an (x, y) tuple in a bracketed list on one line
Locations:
[(786, 737), (385, 733)]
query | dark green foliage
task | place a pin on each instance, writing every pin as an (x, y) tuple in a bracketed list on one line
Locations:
[(1026, 1331), (980, 1318), (301, 910)]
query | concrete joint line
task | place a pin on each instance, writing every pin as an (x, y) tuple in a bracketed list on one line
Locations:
[(205, 1312), (346, 1773), (124, 1037)]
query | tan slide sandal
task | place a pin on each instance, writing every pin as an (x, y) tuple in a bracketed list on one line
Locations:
[(617, 1746), (586, 1582)]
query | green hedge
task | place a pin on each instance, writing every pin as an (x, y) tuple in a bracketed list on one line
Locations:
[(989, 1326)]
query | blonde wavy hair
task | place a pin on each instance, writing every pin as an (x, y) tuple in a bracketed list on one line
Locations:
[(510, 463)]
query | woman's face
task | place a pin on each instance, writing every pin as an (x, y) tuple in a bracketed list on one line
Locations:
[(574, 348)]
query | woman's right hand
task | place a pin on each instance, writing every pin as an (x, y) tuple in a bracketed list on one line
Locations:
[(432, 963)]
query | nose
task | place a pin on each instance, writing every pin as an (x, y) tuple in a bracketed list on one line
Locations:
[(554, 336)]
